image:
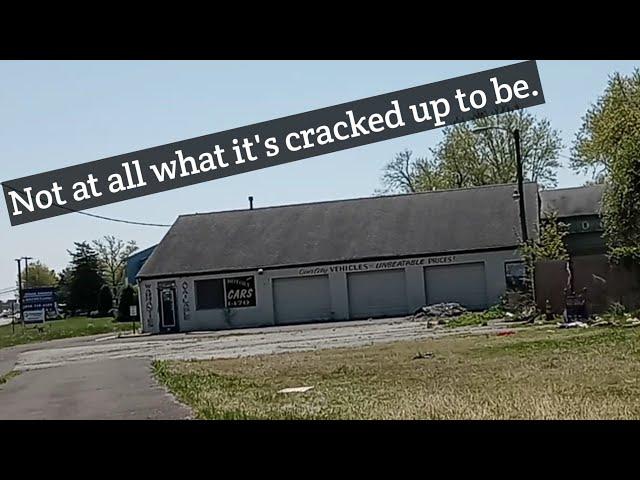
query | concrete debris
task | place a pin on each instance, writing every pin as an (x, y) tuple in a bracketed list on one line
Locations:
[(440, 310), (528, 314), (573, 325), (295, 390)]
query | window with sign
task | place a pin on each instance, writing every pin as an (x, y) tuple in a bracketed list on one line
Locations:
[(241, 292), (209, 294), (515, 276)]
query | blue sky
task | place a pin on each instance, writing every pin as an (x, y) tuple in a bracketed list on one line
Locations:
[(56, 114)]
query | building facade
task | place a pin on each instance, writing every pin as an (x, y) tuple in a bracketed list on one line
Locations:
[(350, 259), (579, 208)]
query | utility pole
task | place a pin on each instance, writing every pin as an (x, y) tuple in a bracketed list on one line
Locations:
[(523, 221), (26, 271), (20, 290)]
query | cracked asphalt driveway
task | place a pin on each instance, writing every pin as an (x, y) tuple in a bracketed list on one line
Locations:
[(110, 389), (106, 377)]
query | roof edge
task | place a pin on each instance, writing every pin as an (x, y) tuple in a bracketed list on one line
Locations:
[(322, 202), (325, 262)]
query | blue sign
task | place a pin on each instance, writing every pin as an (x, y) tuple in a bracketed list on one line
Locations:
[(38, 298)]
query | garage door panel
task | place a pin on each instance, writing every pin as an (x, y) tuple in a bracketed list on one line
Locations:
[(463, 283), (377, 294), (301, 299)]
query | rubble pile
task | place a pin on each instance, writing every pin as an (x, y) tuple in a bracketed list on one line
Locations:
[(439, 310)]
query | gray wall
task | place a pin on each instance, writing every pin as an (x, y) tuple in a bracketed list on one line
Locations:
[(263, 313)]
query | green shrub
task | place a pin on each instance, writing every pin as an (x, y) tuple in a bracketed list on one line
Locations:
[(105, 300), (127, 298), (477, 318), (616, 309)]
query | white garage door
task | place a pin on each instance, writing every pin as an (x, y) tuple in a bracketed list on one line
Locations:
[(301, 299), (463, 283), (377, 294)]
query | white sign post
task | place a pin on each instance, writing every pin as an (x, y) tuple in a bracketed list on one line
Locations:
[(133, 313)]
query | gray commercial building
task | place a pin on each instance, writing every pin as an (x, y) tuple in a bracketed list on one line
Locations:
[(349, 259)]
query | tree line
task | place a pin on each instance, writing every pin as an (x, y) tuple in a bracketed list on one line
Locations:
[(94, 280), (607, 146)]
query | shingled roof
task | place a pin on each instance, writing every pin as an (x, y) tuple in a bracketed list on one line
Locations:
[(570, 202), (346, 230)]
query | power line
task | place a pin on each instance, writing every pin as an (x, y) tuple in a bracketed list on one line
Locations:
[(131, 222), (101, 217)]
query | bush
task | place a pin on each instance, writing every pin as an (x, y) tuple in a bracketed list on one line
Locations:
[(496, 312), (128, 297), (616, 309), (105, 300)]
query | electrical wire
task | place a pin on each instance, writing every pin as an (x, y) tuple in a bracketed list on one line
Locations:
[(130, 222), (101, 217)]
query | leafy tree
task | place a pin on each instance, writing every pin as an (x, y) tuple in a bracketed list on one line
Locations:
[(83, 279), (113, 254), (128, 297), (64, 285), (465, 158), (621, 216), (37, 274), (550, 245), (606, 125), (608, 145), (407, 175), (598, 180), (105, 300)]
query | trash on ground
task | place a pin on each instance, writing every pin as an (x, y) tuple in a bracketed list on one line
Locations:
[(421, 356), (505, 333), (632, 322), (295, 390), (576, 324)]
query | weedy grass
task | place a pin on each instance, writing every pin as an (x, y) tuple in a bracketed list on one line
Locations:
[(8, 376), (534, 374), (56, 329), (477, 318)]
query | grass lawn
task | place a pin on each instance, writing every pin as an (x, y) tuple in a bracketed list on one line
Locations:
[(535, 374), (54, 329)]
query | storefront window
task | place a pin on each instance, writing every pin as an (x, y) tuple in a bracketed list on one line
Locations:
[(209, 294), (515, 275)]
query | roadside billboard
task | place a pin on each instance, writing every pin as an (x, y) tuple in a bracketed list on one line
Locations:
[(39, 303)]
